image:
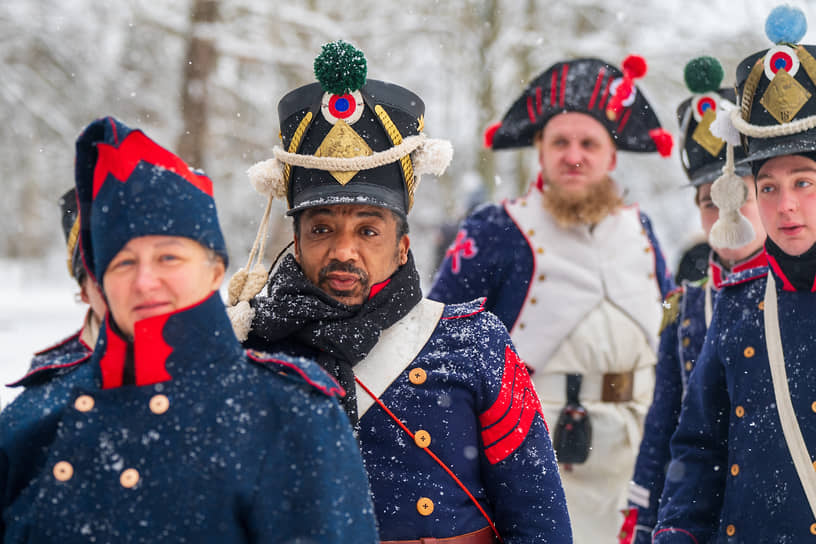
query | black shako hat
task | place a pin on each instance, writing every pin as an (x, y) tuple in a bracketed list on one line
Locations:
[(70, 228), (591, 86), (777, 90), (701, 153), (349, 140)]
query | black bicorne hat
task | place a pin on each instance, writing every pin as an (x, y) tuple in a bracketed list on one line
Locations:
[(349, 140), (70, 228), (703, 154), (777, 90), (591, 86)]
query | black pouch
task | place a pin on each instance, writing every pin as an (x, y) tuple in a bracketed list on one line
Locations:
[(572, 437)]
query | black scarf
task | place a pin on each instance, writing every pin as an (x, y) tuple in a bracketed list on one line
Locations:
[(800, 270), (298, 311)]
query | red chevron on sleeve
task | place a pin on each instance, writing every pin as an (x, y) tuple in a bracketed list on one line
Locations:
[(120, 162), (505, 424)]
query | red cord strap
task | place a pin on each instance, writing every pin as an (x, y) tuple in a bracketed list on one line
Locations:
[(433, 456)]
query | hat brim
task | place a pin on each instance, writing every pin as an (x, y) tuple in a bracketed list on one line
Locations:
[(363, 194)]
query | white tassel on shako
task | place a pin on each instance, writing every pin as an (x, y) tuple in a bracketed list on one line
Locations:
[(432, 157), (729, 193)]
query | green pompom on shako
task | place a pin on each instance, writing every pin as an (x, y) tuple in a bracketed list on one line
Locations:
[(340, 67), (703, 75)]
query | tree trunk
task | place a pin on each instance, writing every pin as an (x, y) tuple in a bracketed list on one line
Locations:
[(199, 63)]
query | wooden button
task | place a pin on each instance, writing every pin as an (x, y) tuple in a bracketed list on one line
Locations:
[(531, 232), (534, 300), (521, 326), (686, 322), (686, 341), (542, 277), (740, 411), (540, 250), (159, 404), (748, 352), (813, 528), (63, 471), (813, 406), (84, 403), (689, 366), (425, 506), (734, 469), (417, 376), (422, 439), (129, 478), (647, 249), (761, 305), (814, 465), (730, 530)]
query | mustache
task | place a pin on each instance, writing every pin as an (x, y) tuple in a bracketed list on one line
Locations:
[(338, 266)]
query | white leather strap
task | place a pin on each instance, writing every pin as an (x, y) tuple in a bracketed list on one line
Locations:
[(790, 425), (709, 307), (398, 346)]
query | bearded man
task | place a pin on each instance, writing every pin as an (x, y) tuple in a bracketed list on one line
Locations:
[(450, 429), (576, 276)]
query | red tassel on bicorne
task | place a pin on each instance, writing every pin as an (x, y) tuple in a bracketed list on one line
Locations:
[(634, 67), (663, 140), (488, 135), (627, 531)]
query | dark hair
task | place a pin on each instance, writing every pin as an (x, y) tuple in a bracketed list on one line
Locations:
[(402, 224)]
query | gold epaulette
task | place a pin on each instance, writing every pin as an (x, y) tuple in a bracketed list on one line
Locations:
[(671, 309)]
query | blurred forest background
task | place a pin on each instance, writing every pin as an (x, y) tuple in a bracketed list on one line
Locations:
[(203, 77)]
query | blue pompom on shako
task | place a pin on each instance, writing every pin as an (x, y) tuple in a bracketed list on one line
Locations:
[(777, 89), (590, 86), (701, 152), (128, 186)]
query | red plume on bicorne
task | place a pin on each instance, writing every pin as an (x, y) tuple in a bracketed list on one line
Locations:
[(488, 134), (663, 140), (634, 67)]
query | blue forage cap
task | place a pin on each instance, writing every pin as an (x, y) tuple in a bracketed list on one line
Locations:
[(128, 186)]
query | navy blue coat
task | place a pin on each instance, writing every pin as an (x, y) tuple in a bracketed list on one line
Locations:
[(681, 341), (731, 478), (212, 444), (475, 400)]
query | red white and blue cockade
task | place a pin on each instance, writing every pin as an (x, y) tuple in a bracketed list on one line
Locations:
[(778, 58), (347, 107)]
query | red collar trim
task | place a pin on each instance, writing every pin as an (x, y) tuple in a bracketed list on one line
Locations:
[(150, 353), (786, 284), (539, 183), (377, 287), (719, 278)]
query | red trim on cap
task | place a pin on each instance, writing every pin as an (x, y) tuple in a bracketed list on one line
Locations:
[(507, 422), (606, 92), (624, 120), (597, 88), (564, 71), (538, 100), (530, 112), (121, 160), (663, 141), (490, 132), (553, 87)]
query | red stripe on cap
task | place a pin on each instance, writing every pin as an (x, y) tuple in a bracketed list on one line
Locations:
[(530, 112), (597, 88), (605, 93), (538, 100), (564, 71), (122, 160), (553, 87), (624, 120)]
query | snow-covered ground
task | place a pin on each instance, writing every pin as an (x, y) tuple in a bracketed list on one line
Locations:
[(37, 309)]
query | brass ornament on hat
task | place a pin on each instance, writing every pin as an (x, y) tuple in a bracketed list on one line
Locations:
[(342, 141), (73, 238), (295, 144), (396, 139), (784, 97), (750, 89), (807, 61), (702, 134)]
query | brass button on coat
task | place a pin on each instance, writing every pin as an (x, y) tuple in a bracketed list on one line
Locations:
[(686, 322), (540, 250), (813, 406), (521, 326), (531, 232), (740, 411), (686, 342), (417, 376), (534, 300), (730, 530), (422, 439), (63, 471), (761, 305), (159, 404), (813, 528), (129, 478), (84, 403), (689, 366), (425, 506), (749, 352), (542, 277), (734, 469)]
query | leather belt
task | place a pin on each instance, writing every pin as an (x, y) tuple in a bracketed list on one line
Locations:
[(617, 387), (482, 536)]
